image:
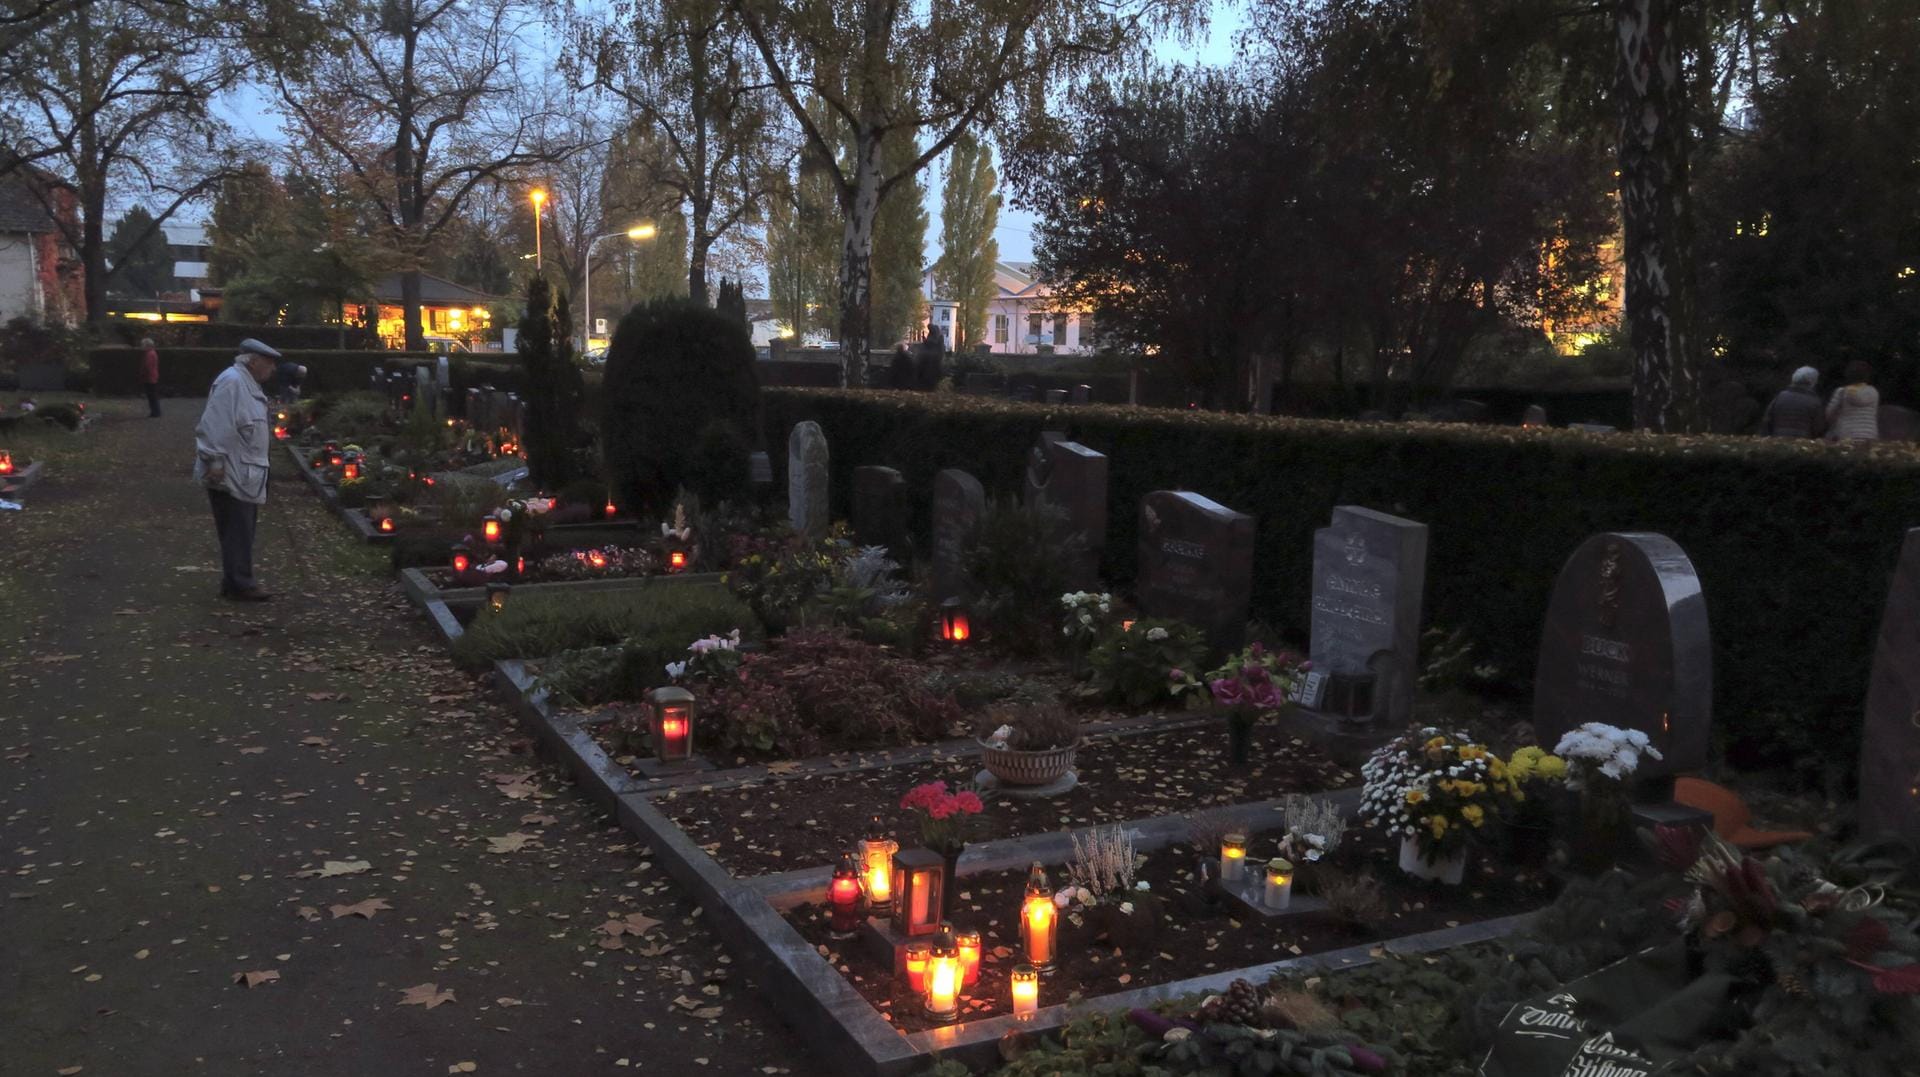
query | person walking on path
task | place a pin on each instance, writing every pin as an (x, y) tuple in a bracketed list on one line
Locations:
[(1796, 412), (1854, 412), (230, 460), (150, 376)]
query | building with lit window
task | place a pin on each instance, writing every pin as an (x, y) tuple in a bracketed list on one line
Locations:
[(1023, 318), (447, 310), (40, 273)]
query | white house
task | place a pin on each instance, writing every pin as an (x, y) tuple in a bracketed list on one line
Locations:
[(1022, 319), (39, 271)]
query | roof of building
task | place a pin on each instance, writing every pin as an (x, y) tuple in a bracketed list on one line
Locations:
[(21, 210), (435, 291), (1014, 279)]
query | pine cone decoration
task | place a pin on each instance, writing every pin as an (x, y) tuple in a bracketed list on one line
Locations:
[(1242, 1003), (1792, 984)]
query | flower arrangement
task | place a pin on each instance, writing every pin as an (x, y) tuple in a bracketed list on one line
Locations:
[(944, 816), (1314, 828), (1597, 752), (1086, 616), (1256, 679), (1147, 664), (1101, 871), (599, 562), (709, 659), (1435, 788), (1530, 765)]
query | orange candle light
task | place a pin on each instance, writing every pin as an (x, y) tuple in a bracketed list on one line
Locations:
[(954, 626), (917, 954), (1039, 919), (1026, 990), (490, 530), (280, 433), (943, 978), (350, 472), (676, 560), (596, 559), (876, 867), (672, 723), (461, 562), (6, 462), (610, 510), (969, 943), (385, 524), (1126, 625)]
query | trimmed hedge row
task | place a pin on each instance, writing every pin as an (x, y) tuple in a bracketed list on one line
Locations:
[(188, 371), (1794, 541), (229, 335)]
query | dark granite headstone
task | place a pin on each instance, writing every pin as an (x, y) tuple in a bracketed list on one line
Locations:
[(959, 502), (1196, 563), (807, 506), (1535, 415), (1369, 573), (1073, 477), (1626, 643), (1082, 394), (1899, 423), (424, 395), (1056, 396), (880, 510), (1890, 744)]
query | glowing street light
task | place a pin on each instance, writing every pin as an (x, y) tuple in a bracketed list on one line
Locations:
[(539, 198), (637, 233)]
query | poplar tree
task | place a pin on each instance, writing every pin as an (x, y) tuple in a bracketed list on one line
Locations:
[(969, 212)]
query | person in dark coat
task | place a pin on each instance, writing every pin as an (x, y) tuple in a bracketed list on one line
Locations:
[(900, 373), (150, 376), (1797, 411), (931, 351)]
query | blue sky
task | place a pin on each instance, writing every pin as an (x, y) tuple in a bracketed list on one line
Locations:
[(248, 109)]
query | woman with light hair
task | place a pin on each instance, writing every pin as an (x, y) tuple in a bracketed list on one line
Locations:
[(1854, 412), (1796, 411)]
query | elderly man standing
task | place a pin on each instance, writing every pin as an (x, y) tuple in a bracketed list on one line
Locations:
[(230, 447)]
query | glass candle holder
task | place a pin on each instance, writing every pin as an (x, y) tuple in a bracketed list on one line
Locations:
[(917, 954), (844, 895), (1233, 858), (1039, 921), (1026, 990), (969, 943), (1278, 893), (943, 978), (876, 868)]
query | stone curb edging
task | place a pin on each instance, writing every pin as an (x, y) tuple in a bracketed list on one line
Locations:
[(421, 591), (15, 486)]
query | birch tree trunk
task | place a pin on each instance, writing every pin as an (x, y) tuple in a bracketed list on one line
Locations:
[(1656, 211), (856, 259)]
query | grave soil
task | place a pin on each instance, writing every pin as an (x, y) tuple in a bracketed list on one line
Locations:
[(1196, 936), (800, 821), (177, 772)]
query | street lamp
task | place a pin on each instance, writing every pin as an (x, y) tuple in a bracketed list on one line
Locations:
[(539, 198), (637, 233)]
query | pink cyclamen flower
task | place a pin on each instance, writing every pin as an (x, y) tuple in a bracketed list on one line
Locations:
[(922, 796), (943, 807), (1176, 675), (968, 802)]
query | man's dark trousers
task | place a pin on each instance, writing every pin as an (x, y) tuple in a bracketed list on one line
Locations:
[(233, 521)]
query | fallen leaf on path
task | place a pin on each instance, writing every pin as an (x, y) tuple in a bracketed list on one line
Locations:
[(508, 843), (507, 1001), (334, 867), (255, 979), (428, 995), (316, 742), (69, 1071), (784, 766), (307, 912), (251, 751), (463, 1067), (538, 820), (364, 909), (637, 923), (518, 792), (326, 697)]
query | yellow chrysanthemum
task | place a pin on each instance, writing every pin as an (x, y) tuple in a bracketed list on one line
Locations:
[(1415, 796), (1438, 825), (1473, 813), (1553, 767)]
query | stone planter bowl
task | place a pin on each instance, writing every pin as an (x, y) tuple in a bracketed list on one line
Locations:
[(1027, 768)]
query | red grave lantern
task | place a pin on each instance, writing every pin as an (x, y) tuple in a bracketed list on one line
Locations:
[(672, 724), (490, 529), (6, 462), (954, 627), (844, 895), (676, 560), (462, 560)]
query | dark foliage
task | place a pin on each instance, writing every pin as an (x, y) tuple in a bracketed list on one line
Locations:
[(552, 384), (188, 371), (816, 689), (674, 368)]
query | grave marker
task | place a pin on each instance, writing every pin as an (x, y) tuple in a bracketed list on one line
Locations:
[(880, 511), (807, 479), (1369, 573), (1074, 478), (1890, 743), (1196, 563), (1626, 643), (959, 503)]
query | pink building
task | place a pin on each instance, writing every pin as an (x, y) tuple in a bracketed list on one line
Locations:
[(1022, 319)]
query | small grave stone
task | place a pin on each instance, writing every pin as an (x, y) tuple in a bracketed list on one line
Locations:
[(807, 479), (959, 502), (880, 511), (1626, 643), (474, 408), (1082, 394), (1196, 563), (424, 393), (1535, 415), (1056, 396), (1073, 477), (1369, 573), (1890, 743)]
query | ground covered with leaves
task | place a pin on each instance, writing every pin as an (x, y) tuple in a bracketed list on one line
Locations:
[(292, 838)]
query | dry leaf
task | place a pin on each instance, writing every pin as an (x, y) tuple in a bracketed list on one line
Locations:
[(251, 751), (428, 995), (307, 912), (518, 792), (364, 910), (334, 867), (326, 697), (637, 923), (538, 820), (784, 766), (255, 979), (315, 742), (508, 843), (463, 1067), (69, 1071)]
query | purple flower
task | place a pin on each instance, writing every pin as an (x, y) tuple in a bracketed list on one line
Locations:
[(1176, 675), (1229, 692), (1268, 697)]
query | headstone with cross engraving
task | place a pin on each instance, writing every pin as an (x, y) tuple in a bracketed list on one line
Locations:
[(1369, 574), (1626, 643)]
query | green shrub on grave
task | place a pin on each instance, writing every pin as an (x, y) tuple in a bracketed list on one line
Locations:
[(1793, 540), (658, 617), (680, 398)]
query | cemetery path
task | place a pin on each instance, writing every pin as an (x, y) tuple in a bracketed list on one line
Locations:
[(244, 839)]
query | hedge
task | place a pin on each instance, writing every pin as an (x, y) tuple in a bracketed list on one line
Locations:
[(1794, 540), (188, 371), (130, 331)]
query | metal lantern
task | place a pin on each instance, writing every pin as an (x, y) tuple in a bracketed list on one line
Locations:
[(497, 596), (919, 885), (672, 724), (943, 977), (462, 559), (954, 627), (843, 894), (676, 560), (1039, 920), (876, 867)]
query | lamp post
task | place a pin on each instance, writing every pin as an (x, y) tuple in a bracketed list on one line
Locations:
[(539, 198), (637, 233)]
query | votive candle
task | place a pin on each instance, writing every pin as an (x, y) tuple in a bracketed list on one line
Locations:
[(1026, 990), (969, 942), (1278, 893), (917, 966), (1233, 858)]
